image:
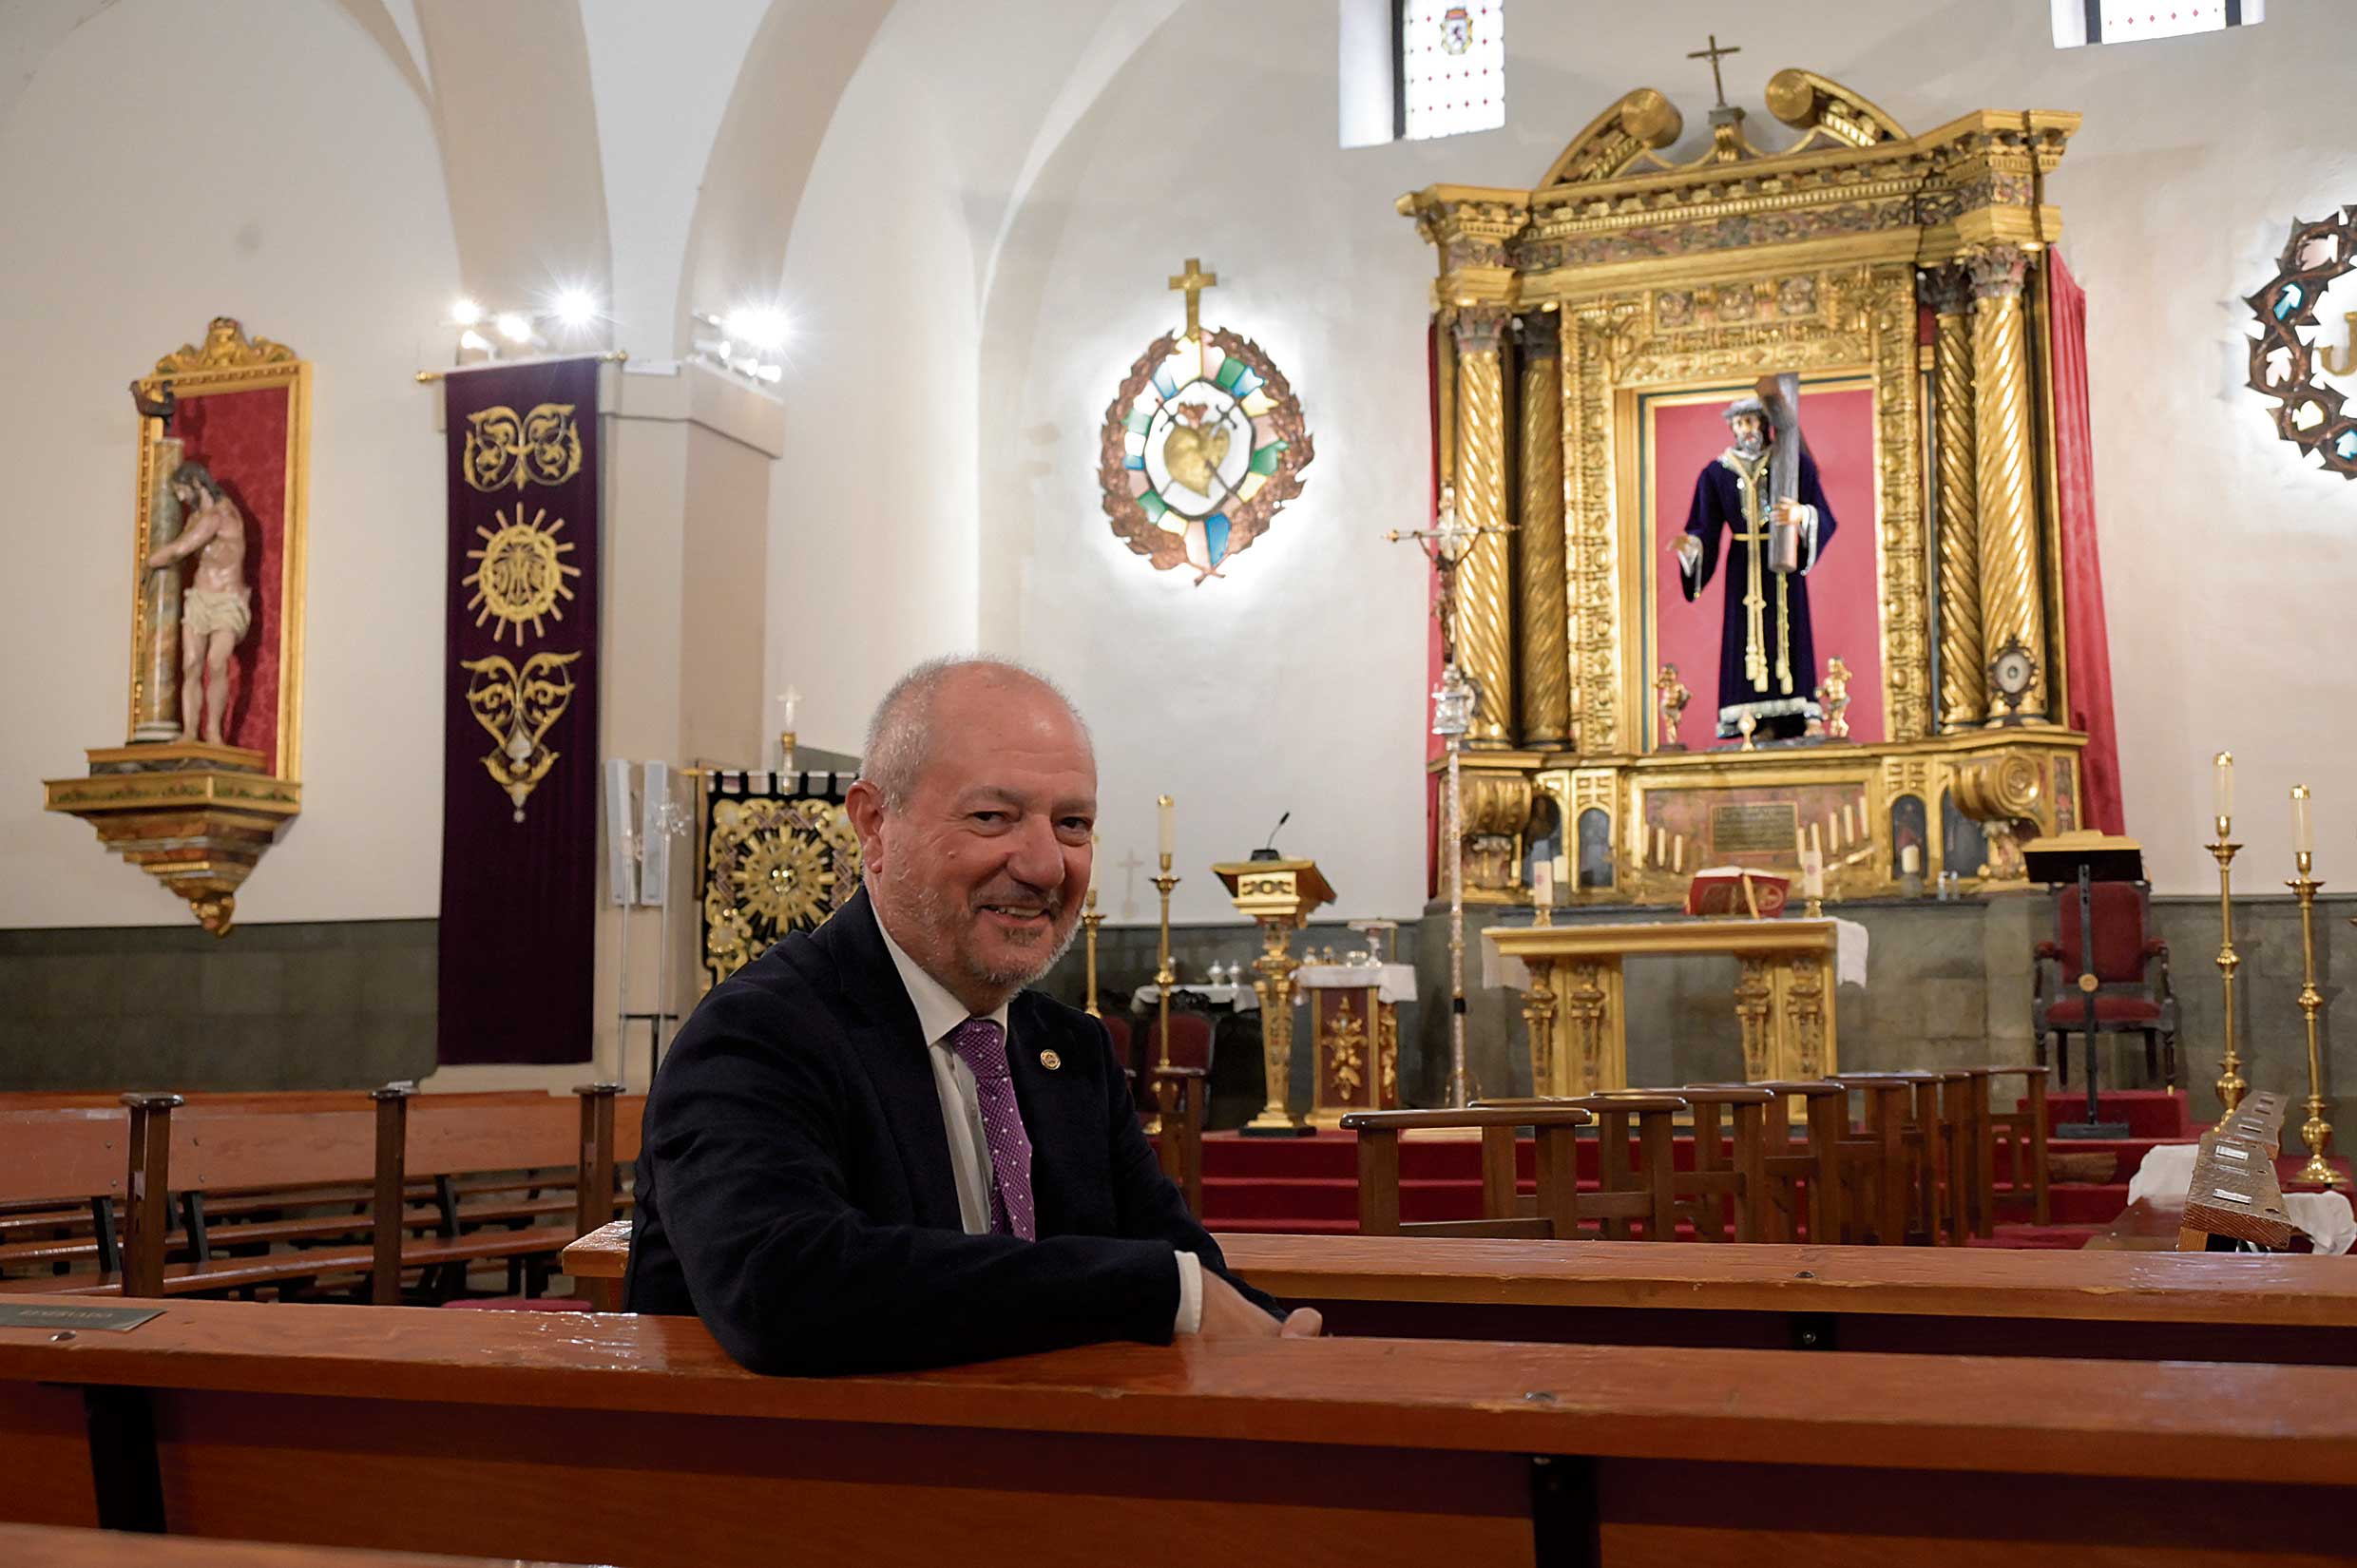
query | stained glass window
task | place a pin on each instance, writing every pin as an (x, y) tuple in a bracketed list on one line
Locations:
[(1451, 67), (2077, 22)]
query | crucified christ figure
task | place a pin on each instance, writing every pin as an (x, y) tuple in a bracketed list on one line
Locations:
[(216, 607)]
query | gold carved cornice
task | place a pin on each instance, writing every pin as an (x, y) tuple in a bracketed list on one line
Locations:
[(1644, 121), (225, 348), (1808, 101)]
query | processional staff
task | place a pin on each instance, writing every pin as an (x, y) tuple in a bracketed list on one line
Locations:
[(1455, 701)]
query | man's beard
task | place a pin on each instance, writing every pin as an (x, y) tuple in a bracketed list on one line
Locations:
[(938, 917), (1750, 445)]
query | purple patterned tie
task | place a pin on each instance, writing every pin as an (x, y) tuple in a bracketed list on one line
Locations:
[(981, 1045)]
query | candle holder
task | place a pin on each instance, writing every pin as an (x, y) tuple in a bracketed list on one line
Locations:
[(2231, 1085), (1092, 917), (2315, 1132), (1164, 977)]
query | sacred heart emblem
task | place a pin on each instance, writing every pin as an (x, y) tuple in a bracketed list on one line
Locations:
[(1195, 399), (1192, 453), (516, 709)]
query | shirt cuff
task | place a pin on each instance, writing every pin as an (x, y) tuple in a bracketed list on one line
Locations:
[(1189, 1319)]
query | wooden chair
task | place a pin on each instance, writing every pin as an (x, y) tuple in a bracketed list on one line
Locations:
[(1802, 1177), (2022, 1131), (1635, 1181), (1555, 1211), (2128, 998), (1883, 1157), (1182, 1095), (1725, 1196)]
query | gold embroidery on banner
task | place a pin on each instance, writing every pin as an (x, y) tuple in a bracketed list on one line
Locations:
[(538, 448), (772, 866), (521, 575), (516, 708)]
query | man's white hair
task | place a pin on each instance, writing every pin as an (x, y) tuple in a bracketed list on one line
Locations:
[(900, 733)]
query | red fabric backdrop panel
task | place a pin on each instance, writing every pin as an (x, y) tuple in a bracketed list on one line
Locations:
[(1845, 589), (2082, 563), (241, 438)]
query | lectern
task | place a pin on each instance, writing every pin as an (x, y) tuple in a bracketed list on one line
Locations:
[(2086, 858), (1279, 894)]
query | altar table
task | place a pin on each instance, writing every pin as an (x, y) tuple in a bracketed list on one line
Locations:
[(633, 1440), (1578, 1022)]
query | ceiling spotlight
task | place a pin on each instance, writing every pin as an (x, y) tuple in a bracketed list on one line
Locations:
[(466, 312), (514, 328), (762, 327), (576, 307), (474, 342)]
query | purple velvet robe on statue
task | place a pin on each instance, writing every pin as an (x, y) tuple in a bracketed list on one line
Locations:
[(1718, 509)]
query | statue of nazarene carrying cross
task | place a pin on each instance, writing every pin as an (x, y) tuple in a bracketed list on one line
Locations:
[(1763, 496)]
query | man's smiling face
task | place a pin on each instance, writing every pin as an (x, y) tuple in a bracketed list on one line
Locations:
[(980, 874)]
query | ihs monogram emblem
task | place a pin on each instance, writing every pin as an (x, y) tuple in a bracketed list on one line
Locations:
[(1203, 443)]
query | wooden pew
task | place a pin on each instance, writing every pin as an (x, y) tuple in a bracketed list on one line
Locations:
[(1555, 1211), (46, 1546), (2234, 1199), (376, 1152), (634, 1440), (1979, 1301)]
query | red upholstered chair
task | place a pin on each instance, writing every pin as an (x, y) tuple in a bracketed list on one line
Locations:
[(1179, 1076), (2129, 999), (1117, 1028)]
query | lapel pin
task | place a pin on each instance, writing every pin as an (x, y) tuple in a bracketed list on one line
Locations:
[(1050, 1061)]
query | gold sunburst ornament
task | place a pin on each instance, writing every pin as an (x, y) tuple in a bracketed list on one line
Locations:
[(519, 575)]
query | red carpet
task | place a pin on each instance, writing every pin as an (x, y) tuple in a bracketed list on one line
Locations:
[(1310, 1185)]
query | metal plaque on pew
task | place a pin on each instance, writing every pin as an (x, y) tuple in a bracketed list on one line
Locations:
[(104, 1320)]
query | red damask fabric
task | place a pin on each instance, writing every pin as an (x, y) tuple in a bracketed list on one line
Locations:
[(241, 438), (2082, 567)]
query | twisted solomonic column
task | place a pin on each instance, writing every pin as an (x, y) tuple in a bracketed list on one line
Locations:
[(1484, 581), (1964, 657), (1543, 594), (2013, 609)]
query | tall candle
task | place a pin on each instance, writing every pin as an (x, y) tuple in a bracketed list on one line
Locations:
[(2303, 829), (788, 701), (1543, 883), (1170, 827), (1910, 859), (1813, 875), (2225, 780), (1094, 845)]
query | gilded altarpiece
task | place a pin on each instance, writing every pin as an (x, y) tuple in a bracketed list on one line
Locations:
[(1900, 272), (774, 855)]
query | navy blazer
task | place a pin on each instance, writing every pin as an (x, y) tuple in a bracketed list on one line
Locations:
[(795, 1188)]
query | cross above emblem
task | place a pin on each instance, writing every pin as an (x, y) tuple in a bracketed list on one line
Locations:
[(1712, 54), (1195, 281)]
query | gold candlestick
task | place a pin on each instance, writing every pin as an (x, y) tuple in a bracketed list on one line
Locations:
[(2315, 1132), (1164, 977), (2231, 1085), (1092, 917)]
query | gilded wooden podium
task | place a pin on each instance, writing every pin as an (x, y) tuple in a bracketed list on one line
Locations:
[(1278, 894)]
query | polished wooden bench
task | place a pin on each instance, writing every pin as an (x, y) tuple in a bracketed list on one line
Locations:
[(2234, 1200), (1978, 1301), (161, 1148), (634, 1440), (53, 1546)]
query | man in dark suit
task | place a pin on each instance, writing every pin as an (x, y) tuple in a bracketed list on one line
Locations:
[(870, 1147)]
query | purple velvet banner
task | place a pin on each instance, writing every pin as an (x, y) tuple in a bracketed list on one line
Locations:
[(520, 717)]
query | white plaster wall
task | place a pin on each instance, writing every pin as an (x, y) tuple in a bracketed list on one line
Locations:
[(1295, 683), (302, 192), (871, 508)]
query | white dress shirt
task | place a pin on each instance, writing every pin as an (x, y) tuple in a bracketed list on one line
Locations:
[(938, 1014)]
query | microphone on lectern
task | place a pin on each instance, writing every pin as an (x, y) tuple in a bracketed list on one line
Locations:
[(1268, 851)]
